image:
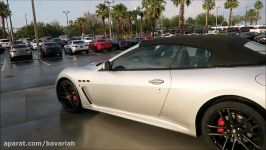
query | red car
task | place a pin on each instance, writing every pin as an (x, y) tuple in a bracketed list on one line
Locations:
[(100, 45)]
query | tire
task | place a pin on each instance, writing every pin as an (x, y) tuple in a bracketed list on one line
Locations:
[(87, 51), (12, 59), (68, 96), (243, 129)]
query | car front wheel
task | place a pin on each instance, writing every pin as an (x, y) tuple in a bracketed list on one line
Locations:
[(68, 96), (234, 126)]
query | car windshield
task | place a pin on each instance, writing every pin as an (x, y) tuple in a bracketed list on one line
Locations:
[(20, 46), (256, 47), (78, 42), (50, 44), (57, 40), (4, 41)]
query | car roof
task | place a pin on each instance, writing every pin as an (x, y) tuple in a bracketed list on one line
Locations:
[(225, 50)]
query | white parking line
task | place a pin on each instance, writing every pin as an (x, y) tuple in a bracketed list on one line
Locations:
[(45, 62), (4, 64)]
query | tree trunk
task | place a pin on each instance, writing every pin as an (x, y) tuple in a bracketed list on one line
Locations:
[(230, 17), (103, 25), (181, 18), (3, 26), (257, 16), (206, 20), (141, 19)]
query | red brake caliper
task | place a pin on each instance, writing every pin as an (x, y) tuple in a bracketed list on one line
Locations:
[(220, 123), (74, 97)]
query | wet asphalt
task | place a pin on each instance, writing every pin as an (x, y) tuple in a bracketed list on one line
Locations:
[(30, 112)]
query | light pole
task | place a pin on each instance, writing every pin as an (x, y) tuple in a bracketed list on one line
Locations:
[(216, 19), (66, 12), (109, 17), (11, 26), (246, 16), (35, 29), (26, 20), (26, 24)]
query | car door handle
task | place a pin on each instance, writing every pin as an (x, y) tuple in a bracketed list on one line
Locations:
[(156, 81)]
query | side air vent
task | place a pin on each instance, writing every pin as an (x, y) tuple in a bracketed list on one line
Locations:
[(84, 92)]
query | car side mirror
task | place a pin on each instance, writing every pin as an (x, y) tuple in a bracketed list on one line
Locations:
[(107, 66)]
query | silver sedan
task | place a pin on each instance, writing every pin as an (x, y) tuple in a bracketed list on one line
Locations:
[(210, 86), (20, 50)]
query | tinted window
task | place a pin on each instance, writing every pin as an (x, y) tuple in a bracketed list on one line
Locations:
[(19, 46), (190, 57), (50, 44), (150, 57), (78, 42)]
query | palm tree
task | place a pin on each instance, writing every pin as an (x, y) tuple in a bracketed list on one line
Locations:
[(131, 16), (208, 5), (81, 22), (4, 13), (251, 16), (181, 12), (102, 12), (231, 4), (258, 6), (154, 9), (119, 13), (140, 12)]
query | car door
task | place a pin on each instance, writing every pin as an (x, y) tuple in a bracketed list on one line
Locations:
[(138, 82)]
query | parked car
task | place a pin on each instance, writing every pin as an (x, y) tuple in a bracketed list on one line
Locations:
[(100, 44), (18, 42), (49, 49), (76, 46), (5, 43), (120, 44), (248, 35), (58, 41), (261, 38), (133, 41), (87, 40), (147, 37), (20, 51), (33, 44), (46, 38), (74, 38), (64, 38), (2, 50), (26, 41), (212, 87)]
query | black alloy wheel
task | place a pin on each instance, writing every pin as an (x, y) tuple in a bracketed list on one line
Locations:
[(68, 96), (234, 126)]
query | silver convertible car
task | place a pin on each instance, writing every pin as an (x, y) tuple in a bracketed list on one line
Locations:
[(209, 86)]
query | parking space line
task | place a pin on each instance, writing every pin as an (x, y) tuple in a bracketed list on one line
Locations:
[(4, 64), (45, 62)]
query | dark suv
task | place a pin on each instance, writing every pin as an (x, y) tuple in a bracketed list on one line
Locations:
[(49, 49)]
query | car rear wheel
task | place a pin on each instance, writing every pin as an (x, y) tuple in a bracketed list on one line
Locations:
[(234, 126), (68, 96)]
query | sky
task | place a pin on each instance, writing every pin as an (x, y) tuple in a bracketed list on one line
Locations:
[(51, 10)]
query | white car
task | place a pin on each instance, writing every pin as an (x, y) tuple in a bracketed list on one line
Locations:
[(33, 44), (210, 86), (87, 40), (5, 43), (76, 46)]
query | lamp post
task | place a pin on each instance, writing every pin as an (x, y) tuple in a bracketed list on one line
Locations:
[(216, 19), (26, 24), (109, 17), (11, 26), (246, 16), (35, 29), (66, 12)]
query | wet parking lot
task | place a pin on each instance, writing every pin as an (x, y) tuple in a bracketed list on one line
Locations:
[(30, 112)]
